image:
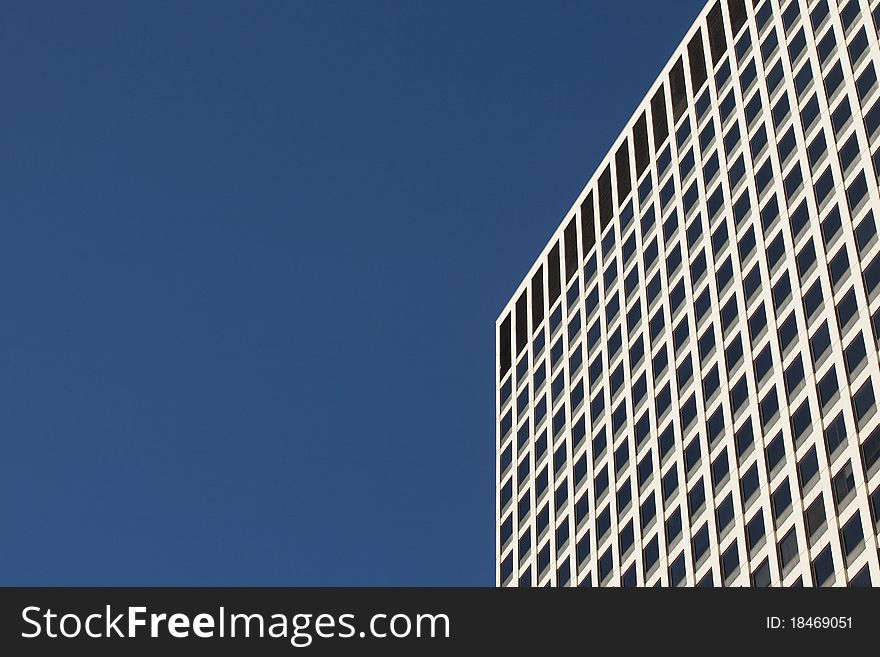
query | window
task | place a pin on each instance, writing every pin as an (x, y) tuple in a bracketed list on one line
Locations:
[(858, 46), (819, 14), (764, 176), (826, 47), (838, 267), (871, 451), (794, 377), (776, 251), (624, 496), (797, 46), (872, 276), (737, 171), (621, 457), (793, 182), (849, 152), (696, 499), (755, 531), (823, 567), (833, 80), (647, 512), (769, 408), (786, 145), (803, 79), (747, 245), (763, 15), (758, 142), (806, 260), (788, 332), (670, 483), (600, 485), (763, 364), (606, 564), (733, 354), (646, 468), (856, 192), (846, 310), (841, 116), (701, 542), (731, 139), (875, 507), (872, 120), (706, 343), (744, 438), (817, 149), (720, 469), (866, 82), (781, 292), (739, 394), (781, 501), (808, 468), (828, 387), (666, 441), (753, 108), (810, 113), (775, 453), (673, 527), (788, 548), (685, 372), (843, 484), (775, 77), (651, 554), (677, 571), (855, 356), (729, 314), (692, 455), (725, 513), (673, 260), (820, 342), (814, 518), (660, 363), (702, 305), (866, 232), (863, 401), (730, 561), (752, 283), (715, 424), (835, 434), (757, 323), (852, 535), (813, 299), (749, 483), (698, 267), (863, 577), (761, 576), (724, 275)]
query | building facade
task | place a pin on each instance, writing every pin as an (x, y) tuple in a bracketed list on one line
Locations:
[(687, 378)]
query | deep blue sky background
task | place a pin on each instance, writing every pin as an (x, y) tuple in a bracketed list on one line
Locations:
[(251, 256)]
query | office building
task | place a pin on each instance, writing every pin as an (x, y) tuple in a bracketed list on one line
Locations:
[(687, 378)]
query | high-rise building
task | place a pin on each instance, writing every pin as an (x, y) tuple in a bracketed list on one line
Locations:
[(687, 378)]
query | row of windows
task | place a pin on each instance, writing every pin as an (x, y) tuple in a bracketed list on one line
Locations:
[(784, 553), (843, 486), (808, 467)]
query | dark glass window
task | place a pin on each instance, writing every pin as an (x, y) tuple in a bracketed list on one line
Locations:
[(823, 567), (749, 482), (808, 468)]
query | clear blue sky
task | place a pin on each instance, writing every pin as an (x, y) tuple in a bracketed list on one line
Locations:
[(251, 256)]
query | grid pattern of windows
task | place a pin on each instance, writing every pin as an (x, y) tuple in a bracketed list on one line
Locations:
[(687, 379)]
